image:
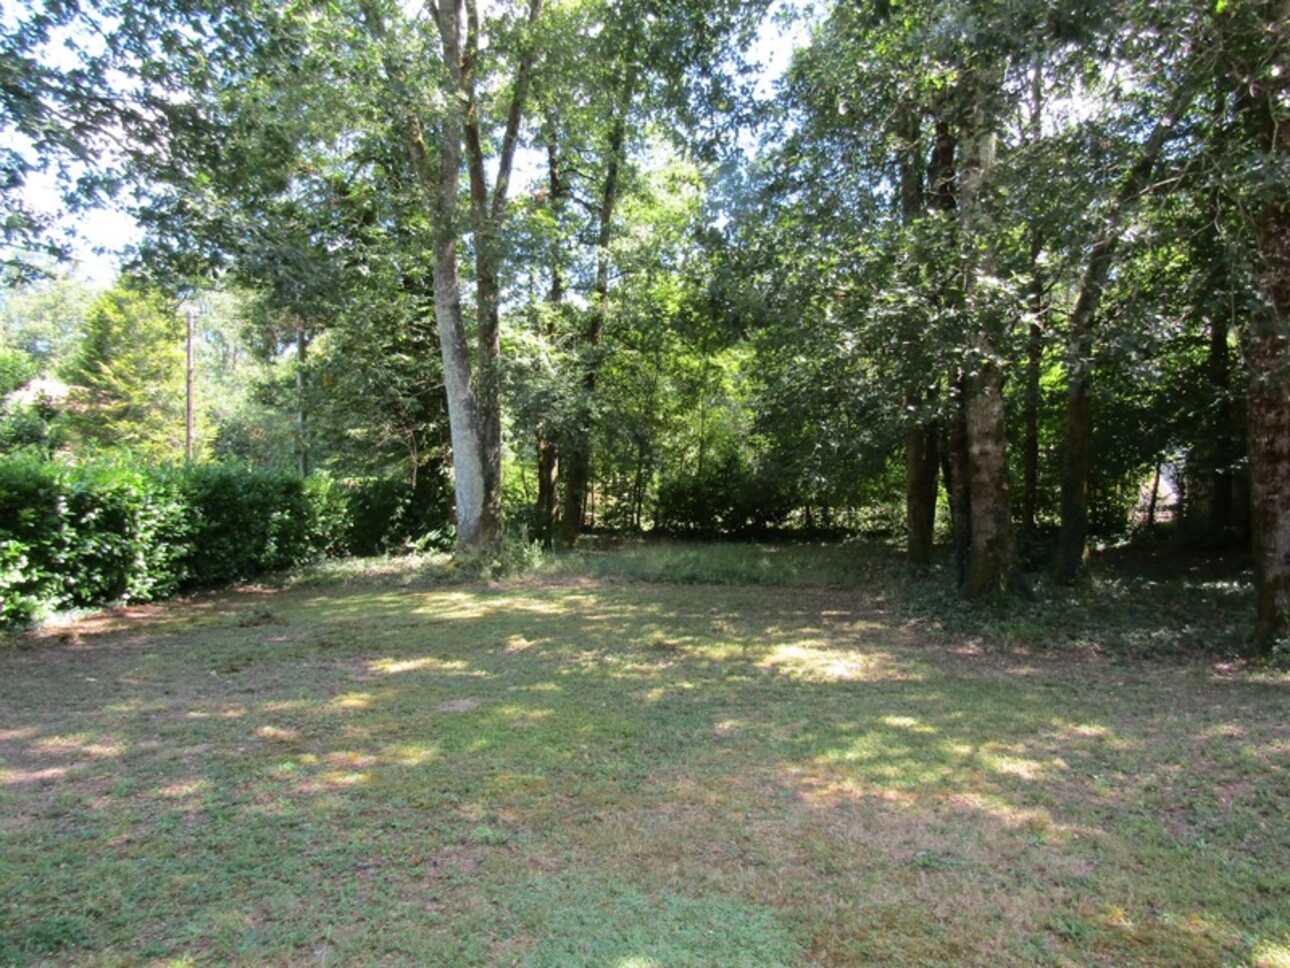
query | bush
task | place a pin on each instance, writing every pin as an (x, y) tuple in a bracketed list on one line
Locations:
[(33, 537), (245, 523), (111, 532), (728, 498), (387, 515), (379, 512)]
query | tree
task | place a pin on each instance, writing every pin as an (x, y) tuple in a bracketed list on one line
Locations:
[(1256, 44), (128, 374), (1075, 467)]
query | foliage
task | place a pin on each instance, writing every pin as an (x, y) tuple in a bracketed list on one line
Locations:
[(16, 368), (727, 497), (386, 515), (694, 330), (247, 524), (129, 374), (38, 425), (104, 532), (44, 319)]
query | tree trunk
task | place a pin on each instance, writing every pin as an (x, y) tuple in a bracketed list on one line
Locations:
[(1267, 354), (302, 410), (957, 478), (548, 456), (993, 552), (489, 212), (992, 557), (1154, 501), (473, 528), (1217, 304), (578, 450), (437, 172), (1223, 457), (943, 191), (638, 486), (1075, 458), (922, 461), (548, 474), (1073, 535), (1030, 436)]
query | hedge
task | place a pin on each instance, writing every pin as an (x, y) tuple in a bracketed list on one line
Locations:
[(101, 533)]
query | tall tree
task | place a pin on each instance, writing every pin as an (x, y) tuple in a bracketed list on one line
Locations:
[(1256, 38), (442, 128), (1075, 460)]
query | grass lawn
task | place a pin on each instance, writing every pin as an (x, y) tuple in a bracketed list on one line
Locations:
[(589, 767)]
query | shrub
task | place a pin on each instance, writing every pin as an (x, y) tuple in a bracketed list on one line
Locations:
[(386, 514), (33, 540), (728, 498), (379, 511), (245, 523), (109, 531)]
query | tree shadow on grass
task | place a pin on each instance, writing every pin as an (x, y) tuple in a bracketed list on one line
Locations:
[(388, 777)]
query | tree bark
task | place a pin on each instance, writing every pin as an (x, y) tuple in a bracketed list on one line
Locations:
[(1219, 367), (992, 557), (548, 455), (942, 189), (992, 561), (1030, 434), (1034, 338), (1154, 500), (1075, 454), (437, 173), (578, 448), (474, 414), (1267, 354), (957, 478), (922, 461), (489, 212), (302, 408), (474, 531)]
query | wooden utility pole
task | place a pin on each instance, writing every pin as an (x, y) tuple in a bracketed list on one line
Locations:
[(188, 403)]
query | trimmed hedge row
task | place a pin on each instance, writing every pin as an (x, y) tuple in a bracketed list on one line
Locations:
[(94, 534)]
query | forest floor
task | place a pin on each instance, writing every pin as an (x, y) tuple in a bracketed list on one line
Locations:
[(775, 757)]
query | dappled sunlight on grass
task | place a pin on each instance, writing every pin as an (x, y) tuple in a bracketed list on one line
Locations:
[(527, 772), (343, 778), (18, 777), (410, 754), (815, 661), (1026, 769), (1272, 954), (185, 789), (907, 722), (353, 700), (78, 746), (396, 666), (275, 732), (226, 712)]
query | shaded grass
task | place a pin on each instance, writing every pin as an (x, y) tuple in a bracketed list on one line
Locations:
[(804, 564), (585, 768), (1137, 606)]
